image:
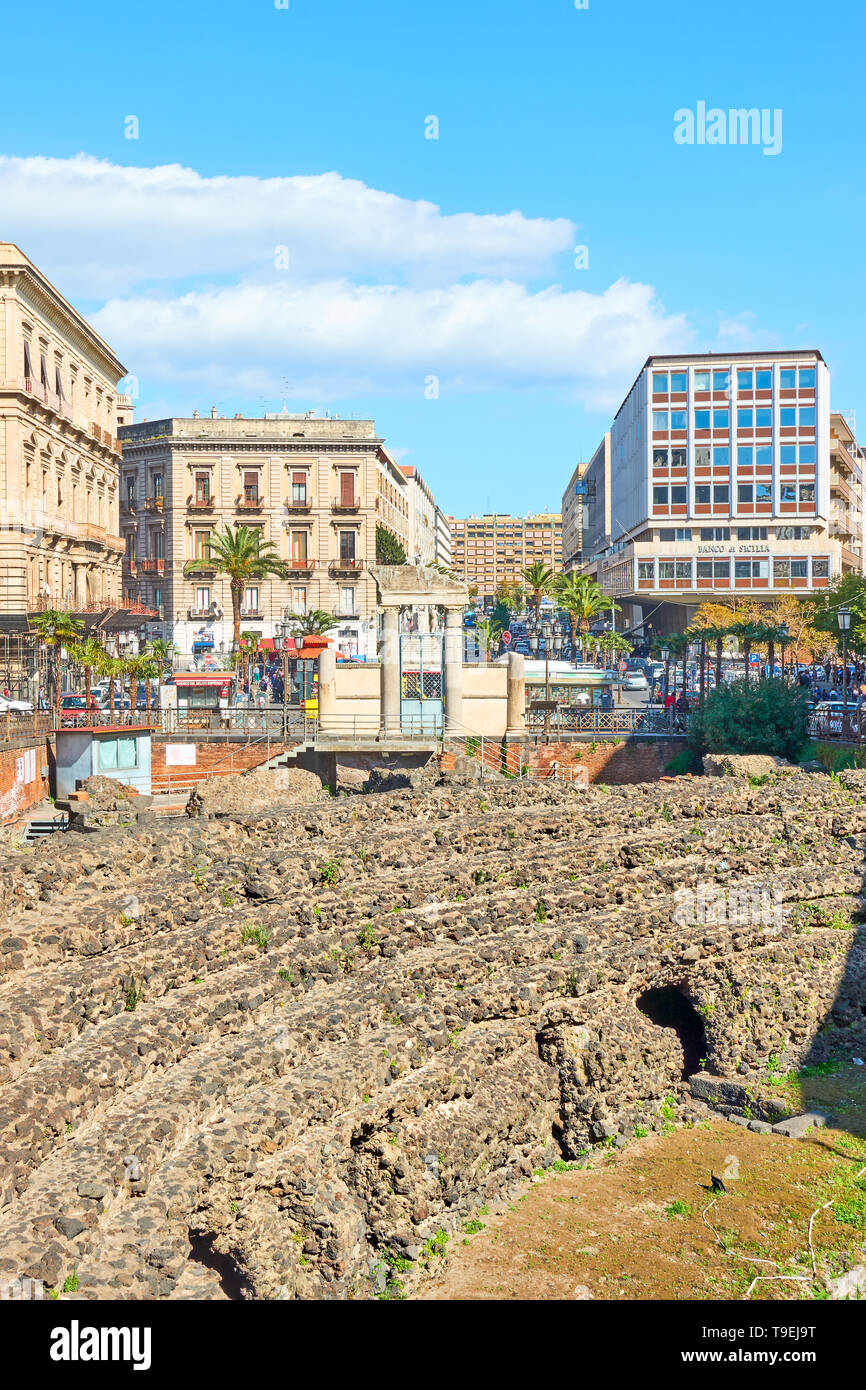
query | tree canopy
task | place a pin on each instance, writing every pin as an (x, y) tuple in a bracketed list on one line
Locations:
[(389, 551)]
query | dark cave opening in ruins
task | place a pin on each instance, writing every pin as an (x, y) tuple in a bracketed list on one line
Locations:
[(232, 1282), (668, 1007)]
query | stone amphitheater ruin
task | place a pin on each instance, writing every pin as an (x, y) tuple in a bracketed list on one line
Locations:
[(267, 1054)]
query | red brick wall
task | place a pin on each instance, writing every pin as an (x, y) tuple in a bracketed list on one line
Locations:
[(618, 764), (18, 797), (624, 763), (210, 758)]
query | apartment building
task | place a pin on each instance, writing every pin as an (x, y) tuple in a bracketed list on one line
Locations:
[(443, 542), (494, 549), (586, 520), (847, 465), (315, 487), (392, 499), (728, 476), (572, 519), (421, 549), (59, 454), (597, 517)]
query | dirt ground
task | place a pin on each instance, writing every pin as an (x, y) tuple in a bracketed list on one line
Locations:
[(637, 1224)]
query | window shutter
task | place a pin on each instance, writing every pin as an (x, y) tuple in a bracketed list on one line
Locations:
[(299, 479), (28, 365), (347, 489)]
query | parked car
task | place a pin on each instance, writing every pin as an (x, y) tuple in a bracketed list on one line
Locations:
[(120, 702), (634, 680), (73, 709), (10, 706)]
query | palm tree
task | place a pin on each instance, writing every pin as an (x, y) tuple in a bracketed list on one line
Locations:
[(132, 666), (750, 634), (151, 671), (161, 651), (249, 645), (89, 654), (56, 629), (716, 635), (316, 623), (243, 555), (540, 581), (489, 631), (113, 667), (677, 644), (583, 599)]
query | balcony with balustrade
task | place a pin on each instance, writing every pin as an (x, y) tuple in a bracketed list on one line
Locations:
[(201, 502)]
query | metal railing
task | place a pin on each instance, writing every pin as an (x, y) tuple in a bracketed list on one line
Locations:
[(839, 728), (369, 727), (649, 722), (280, 722)]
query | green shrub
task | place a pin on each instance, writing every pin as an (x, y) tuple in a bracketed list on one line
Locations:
[(685, 761), (758, 716)]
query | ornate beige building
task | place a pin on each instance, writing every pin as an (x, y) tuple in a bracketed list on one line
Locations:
[(59, 454), (316, 487)]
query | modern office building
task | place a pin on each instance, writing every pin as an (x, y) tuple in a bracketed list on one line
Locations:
[(60, 543), (728, 476), (315, 487), (494, 549)]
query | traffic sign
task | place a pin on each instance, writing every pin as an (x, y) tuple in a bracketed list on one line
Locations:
[(506, 639), (621, 666)]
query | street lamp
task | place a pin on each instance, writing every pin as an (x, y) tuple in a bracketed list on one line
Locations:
[(843, 618), (666, 658), (281, 646), (546, 630)]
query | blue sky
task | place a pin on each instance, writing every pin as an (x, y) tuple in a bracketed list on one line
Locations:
[(407, 258)]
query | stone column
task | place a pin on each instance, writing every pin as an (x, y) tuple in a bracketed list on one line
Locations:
[(453, 691), (389, 713), (328, 690), (516, 713)]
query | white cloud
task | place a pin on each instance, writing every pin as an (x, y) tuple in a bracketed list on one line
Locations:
[(379, 292), (739, 332), (97, 228), (334, 338)]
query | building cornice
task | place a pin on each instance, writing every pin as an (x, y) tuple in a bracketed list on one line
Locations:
[(50, 303)]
